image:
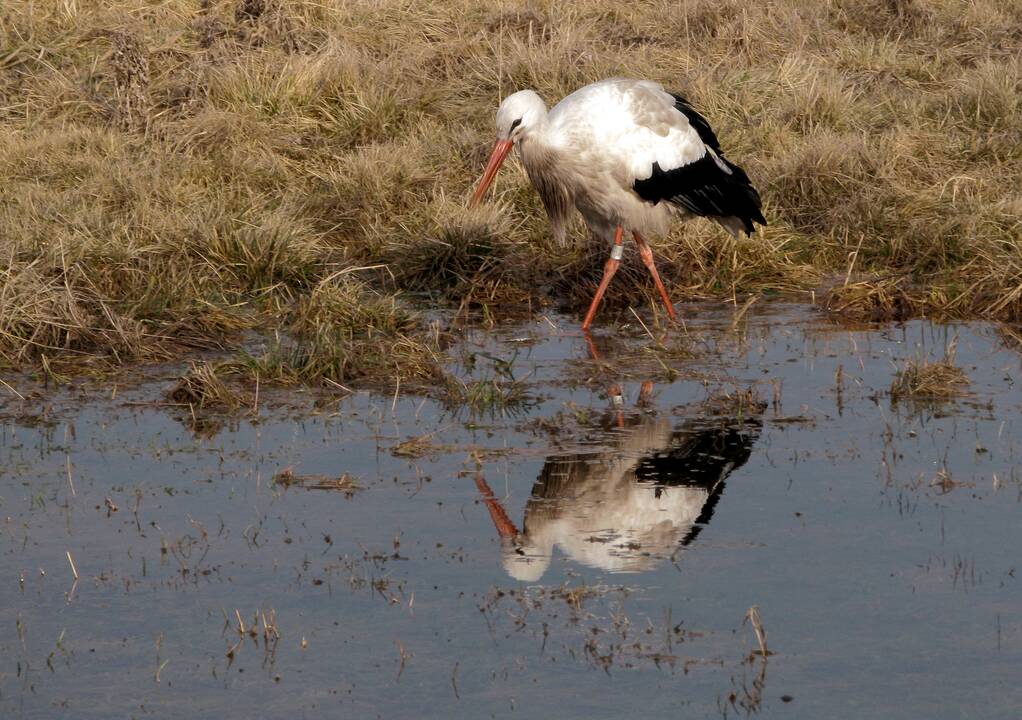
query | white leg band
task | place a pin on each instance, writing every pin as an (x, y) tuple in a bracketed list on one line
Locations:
[(617, 252)]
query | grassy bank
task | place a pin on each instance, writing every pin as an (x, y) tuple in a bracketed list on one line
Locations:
[(176, 173)]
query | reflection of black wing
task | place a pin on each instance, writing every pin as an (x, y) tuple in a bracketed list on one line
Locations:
[(702, 454)]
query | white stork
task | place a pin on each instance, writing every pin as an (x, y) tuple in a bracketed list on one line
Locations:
[(629, 156)]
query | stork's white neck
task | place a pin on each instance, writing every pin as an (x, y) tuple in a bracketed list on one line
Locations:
[(545, 164)]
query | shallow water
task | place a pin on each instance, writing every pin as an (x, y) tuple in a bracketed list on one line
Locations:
[(578, 557)]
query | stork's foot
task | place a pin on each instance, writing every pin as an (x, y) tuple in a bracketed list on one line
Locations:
[(646, 253), (617, 398)]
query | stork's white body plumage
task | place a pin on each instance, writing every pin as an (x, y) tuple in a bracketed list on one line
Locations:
[(602, 138), (629, 156)]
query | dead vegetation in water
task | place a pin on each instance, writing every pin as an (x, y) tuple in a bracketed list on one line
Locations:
[(176, 174), (589, 623), (202, 388), (343, 331), (925, 379), (489, 397), (345, 483), (496, 391), (263, 625), (734, 405), (340, 333)]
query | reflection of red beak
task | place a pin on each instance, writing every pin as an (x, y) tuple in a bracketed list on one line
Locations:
[(505, 528), (500, 150)]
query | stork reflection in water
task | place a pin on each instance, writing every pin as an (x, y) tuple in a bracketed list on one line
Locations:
[(626, 507)]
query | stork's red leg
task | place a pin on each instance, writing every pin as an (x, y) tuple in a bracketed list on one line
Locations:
[(591, 345), (646, 253), (608, 272)]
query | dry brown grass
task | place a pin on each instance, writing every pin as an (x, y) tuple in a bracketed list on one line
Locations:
[(342, 332), (924, 379), (345, 483), (176, 173), (202, 388)]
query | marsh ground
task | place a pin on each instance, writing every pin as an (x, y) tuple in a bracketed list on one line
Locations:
[(177, 173)]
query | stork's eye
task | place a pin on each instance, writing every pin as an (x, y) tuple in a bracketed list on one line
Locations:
[(515, 124)]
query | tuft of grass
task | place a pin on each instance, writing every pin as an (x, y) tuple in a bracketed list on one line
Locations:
[(873, 300), (489, 397), (202, 388), (130, 63), (453, 249), (923, 379), (344, 332)]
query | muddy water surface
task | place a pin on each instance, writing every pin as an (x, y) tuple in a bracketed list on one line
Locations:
[(592, 551)]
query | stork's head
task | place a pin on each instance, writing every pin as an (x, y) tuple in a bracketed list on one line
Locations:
[(519, 114)]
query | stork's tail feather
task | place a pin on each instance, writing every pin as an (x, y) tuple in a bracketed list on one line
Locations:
[(747, 200), (710, 187), (745, 203)]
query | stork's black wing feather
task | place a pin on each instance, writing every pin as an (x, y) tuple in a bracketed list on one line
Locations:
[(697, 121), (712, 186)]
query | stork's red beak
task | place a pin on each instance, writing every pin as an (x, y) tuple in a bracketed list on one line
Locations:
[(500, 150)]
